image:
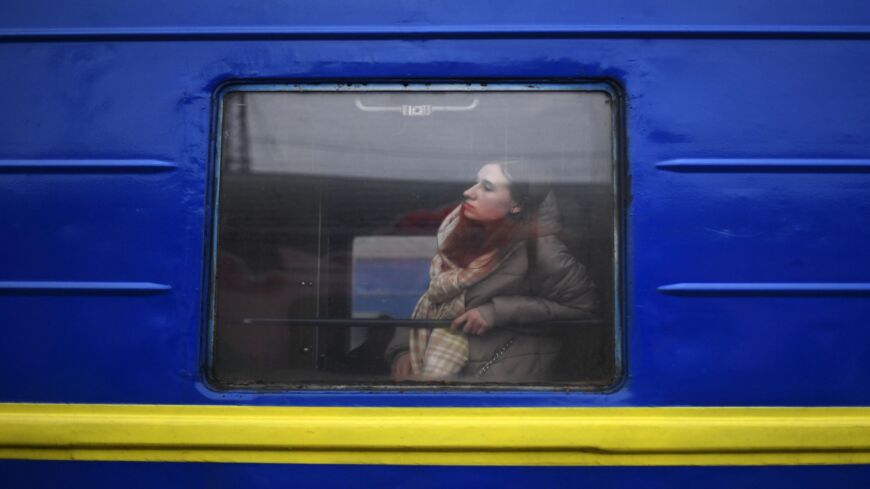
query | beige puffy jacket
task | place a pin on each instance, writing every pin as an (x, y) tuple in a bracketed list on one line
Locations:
[(517, 303)]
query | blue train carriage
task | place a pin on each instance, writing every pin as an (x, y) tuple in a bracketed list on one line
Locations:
[(219, 220)]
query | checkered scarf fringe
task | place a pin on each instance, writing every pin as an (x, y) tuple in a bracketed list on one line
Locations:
[(437, 353)]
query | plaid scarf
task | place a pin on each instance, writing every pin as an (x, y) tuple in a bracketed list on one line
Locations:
[(438, 353)]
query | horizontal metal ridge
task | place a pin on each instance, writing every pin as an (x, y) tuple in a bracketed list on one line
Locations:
[(766, 165), (84, 166), (433, 32), (98, 288), (782, 289)]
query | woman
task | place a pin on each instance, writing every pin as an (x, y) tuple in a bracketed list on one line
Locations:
[(499, 273)]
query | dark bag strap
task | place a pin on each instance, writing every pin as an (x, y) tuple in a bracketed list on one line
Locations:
[(496, 356)]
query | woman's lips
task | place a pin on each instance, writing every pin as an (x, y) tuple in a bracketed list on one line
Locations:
[(466, 206)]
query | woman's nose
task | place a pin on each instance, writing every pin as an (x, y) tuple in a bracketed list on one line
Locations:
[(469, 192)]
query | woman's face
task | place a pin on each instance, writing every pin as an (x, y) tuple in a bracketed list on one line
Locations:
[(489, 199)]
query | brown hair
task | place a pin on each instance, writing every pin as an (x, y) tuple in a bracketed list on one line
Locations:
[(470, 239)]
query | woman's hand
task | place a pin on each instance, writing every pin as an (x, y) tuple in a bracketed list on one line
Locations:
[(471, 322), (401, 369)]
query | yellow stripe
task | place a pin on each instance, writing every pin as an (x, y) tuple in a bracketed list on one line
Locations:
[(437, 436)]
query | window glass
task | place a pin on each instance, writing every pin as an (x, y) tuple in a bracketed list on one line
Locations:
[(415, 237)]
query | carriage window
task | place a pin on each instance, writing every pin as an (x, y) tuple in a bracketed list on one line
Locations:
[(415, 237)]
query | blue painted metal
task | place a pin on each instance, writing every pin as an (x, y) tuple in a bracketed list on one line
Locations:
[(37, 475), (738, 81), (645, 17), (83, 287), (62, 166), (766, 165), (768, 289), (478, 31)]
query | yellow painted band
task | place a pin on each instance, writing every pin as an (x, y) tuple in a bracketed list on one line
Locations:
[(437, 436)]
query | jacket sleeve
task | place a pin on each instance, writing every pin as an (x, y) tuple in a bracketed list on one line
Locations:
[(561, 289), (397, 345)]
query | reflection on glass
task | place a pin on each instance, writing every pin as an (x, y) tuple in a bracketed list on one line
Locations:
[(410, 238)]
